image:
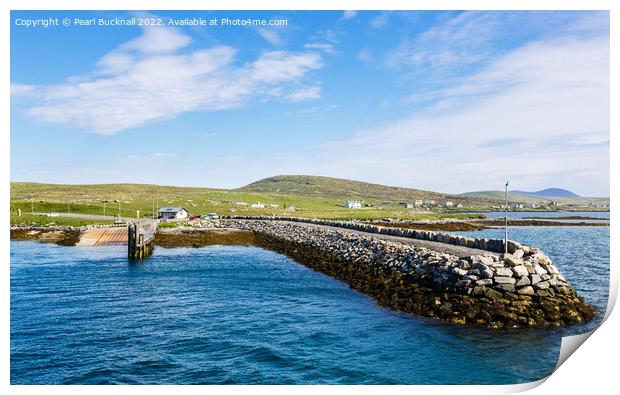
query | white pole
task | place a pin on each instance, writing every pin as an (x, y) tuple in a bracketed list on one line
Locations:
[(506, 219)]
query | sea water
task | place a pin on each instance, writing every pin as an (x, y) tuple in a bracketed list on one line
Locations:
[(245, 315)]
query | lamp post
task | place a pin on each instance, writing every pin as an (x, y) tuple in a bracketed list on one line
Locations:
[(506, 219)]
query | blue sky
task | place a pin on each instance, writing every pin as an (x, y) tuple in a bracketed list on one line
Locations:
[(446, 101)]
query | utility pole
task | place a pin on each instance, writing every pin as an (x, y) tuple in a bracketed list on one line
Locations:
[(119, 209), (104, 203), (506, 219), (32, 203)]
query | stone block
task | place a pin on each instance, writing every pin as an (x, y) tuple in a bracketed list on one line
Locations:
[(527, 290), (504, 280), (535, 278), (525, 280), (520, 271), (504, 271)]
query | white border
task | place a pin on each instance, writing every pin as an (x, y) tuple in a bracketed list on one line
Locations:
[(591, 369)]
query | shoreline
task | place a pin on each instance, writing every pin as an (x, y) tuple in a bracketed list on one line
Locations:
[(451, 279)]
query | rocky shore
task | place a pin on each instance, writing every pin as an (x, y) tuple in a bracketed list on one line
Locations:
[(521, 289), (61, 235)]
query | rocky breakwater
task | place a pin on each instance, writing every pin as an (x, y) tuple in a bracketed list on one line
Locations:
[(517, 290)]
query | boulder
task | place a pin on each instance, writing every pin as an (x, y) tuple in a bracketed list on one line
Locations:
[(525, 280), (535, 278), (492, 294), (463, 283), (479, 290), (539, 269), (527, 290), (520, 271), (486, 281), (503, 272), (512, 261), (506, 287), (504, 280)]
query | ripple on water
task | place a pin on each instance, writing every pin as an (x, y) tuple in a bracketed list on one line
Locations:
[(223, 315)]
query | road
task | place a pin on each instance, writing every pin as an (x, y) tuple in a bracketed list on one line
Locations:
[(91, 216)]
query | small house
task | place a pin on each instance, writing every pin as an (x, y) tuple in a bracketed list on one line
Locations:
[(173, 213), (418, 202), (449, 204), (353, 204), (257, 205)]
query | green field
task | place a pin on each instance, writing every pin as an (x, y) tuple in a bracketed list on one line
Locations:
[(41, 220), (311, 197)]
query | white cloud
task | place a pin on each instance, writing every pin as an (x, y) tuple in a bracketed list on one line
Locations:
[(379, 21), (319, 46), (364, 55), (538, 115), (140, 82), (158, 40), (153, 156), (270, 36), (458, 42), (205, 135), (349, 14), (22, 89), (305, 93), (281, 66)]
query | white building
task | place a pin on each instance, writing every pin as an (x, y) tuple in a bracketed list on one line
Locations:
[(449, 204), (173, 213), (353, 204), (257, 205), (418, 202)]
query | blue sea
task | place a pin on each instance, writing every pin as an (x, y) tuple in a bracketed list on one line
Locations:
[(245, 315)]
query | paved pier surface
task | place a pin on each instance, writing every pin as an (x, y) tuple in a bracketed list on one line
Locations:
[(432, 245)]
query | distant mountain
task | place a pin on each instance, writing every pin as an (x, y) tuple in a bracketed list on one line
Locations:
[(549, 192), (562, 196)]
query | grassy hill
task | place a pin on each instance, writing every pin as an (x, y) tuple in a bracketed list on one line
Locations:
[(347, 189), (318, 197), (310, 196)]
